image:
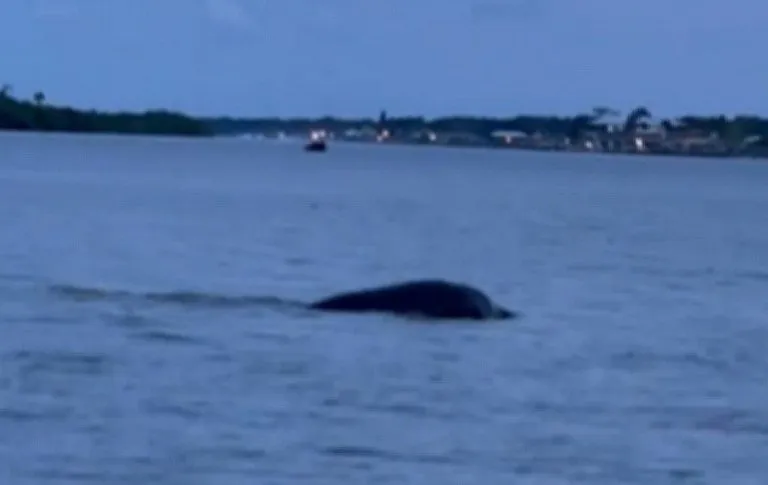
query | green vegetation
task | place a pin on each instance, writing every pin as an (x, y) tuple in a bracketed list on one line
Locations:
[(37, 115)]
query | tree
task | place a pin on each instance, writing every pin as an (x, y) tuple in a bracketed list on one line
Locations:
[(39, 98), (600, 112), (635, 118), (579, 124), (36, 115)]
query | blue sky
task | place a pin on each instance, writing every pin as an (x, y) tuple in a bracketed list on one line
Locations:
[(354, 57)]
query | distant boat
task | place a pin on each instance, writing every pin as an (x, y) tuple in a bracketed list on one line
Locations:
[(316, 146), (316, 142)]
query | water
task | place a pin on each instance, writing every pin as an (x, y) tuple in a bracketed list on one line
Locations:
[(149, 335)]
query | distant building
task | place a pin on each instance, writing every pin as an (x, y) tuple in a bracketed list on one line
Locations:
[(508, 136)]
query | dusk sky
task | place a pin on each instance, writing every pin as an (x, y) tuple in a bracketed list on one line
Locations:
[(355, 57)]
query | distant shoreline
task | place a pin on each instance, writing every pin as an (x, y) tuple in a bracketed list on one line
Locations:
[(602, 130), (741, 156), (749, 152), (171, 136)]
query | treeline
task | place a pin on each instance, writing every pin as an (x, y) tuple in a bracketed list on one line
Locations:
[(734, 129), (37, 115)]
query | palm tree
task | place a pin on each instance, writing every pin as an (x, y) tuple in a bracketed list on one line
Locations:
[(635, 118), (39, 98)]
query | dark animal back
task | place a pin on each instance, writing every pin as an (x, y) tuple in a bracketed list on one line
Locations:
[(428, 298)]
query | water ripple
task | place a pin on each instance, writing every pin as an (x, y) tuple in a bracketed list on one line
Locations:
[(65, 362)]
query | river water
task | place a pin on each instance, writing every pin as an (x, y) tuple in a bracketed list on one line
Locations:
[(147, 335)]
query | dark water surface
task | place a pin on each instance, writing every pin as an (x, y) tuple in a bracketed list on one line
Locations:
[(150, 332)]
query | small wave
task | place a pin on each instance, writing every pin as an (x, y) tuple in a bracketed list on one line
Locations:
[(70, 362), (761, 276), (184, 298), (167, 337), (16, 277), (352, 451)]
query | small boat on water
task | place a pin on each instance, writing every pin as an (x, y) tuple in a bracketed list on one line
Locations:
[(316, 146), (317, 142)]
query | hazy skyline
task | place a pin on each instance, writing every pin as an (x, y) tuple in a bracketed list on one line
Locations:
[(355, 57)]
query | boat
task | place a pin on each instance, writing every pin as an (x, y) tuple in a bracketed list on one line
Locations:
[(316, 146), (316, 142)]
